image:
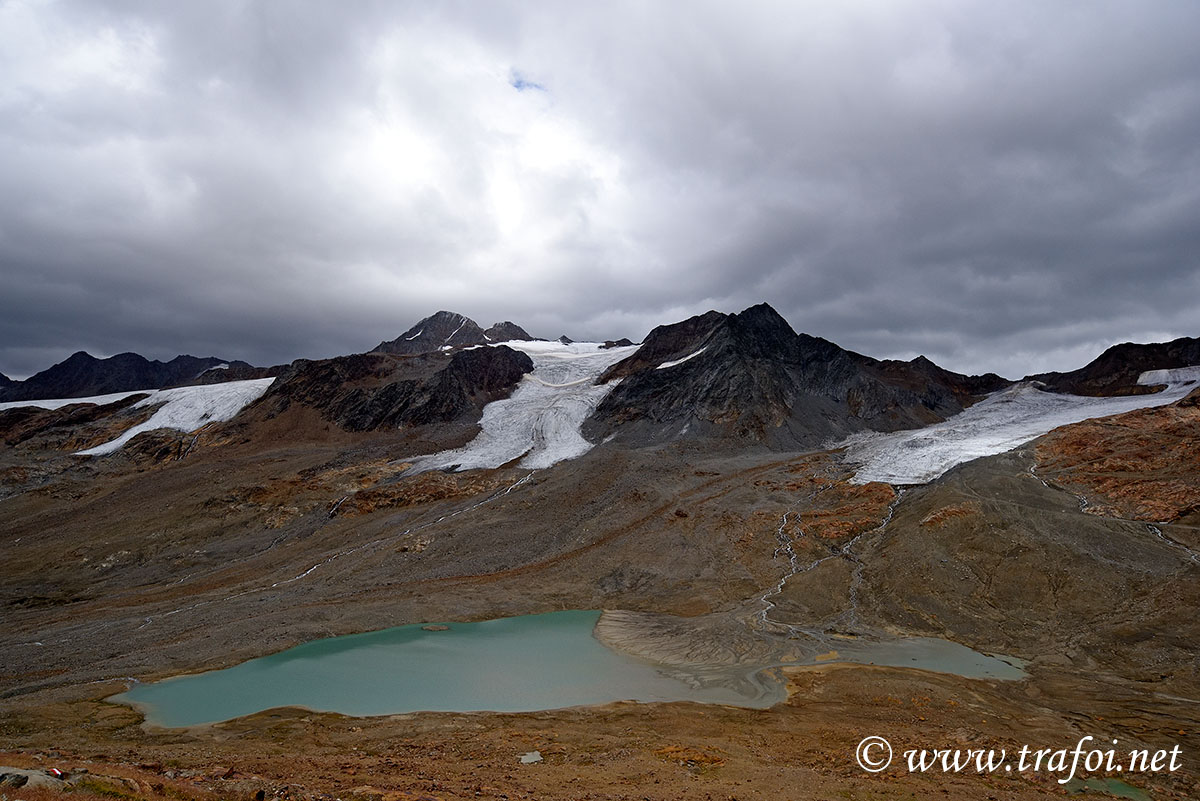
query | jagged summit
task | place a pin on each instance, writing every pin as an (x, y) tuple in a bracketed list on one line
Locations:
[(750, 375), (447, 329)]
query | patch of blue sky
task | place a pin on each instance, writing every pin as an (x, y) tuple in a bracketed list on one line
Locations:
[(518, 81)]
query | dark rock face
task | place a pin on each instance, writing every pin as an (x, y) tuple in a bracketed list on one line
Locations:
[(5, 381), (616, 343), (236, 371), (370, 391), (446, 330), (921, 372), (750, 376), (666, 342), (82, 375), (1116, 371)]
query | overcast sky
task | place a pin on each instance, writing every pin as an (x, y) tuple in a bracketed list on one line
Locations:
[(1007, 186)]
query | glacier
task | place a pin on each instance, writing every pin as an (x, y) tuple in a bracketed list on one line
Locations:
[(540, 422), (998, 423), (181, 408)]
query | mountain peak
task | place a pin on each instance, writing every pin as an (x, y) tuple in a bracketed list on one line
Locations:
[(750, 375), (446, 329), (506, 331)]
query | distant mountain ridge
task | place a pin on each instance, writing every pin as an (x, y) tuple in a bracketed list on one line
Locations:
[(83, 375), (747, 374), (445, 330), (1116, 370)]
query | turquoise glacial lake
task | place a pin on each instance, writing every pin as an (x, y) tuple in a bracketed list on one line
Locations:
[(516, 664)]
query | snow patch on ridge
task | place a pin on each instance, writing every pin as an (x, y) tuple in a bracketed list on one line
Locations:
[(540, 422), (1000, 422), (665, 365)]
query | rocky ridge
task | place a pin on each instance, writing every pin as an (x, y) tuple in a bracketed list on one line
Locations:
[(83, 375), (370, 391), (750, 376), (1116, 370)]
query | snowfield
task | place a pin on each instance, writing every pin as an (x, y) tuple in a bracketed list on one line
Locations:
[(999, 423), (183, 408), (541, 420)]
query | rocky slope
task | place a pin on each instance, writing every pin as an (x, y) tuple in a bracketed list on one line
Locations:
[(1139, 466), (1115, 372), (447, 329), (25, 423), (750, 376), (82, 375), (370, 391)]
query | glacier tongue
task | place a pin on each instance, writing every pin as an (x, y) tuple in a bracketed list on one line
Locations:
[(188, 408), (999, 423), (541, 420), (183, 408)]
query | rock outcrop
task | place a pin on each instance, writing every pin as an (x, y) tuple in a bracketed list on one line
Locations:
[(370, 391), (750, 376), (1116, 371), (446, 330)]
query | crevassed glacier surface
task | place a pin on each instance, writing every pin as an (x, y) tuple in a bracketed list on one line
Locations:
[(540, 422)]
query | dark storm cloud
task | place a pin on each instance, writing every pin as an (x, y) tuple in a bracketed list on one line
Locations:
[(1006, 187)]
